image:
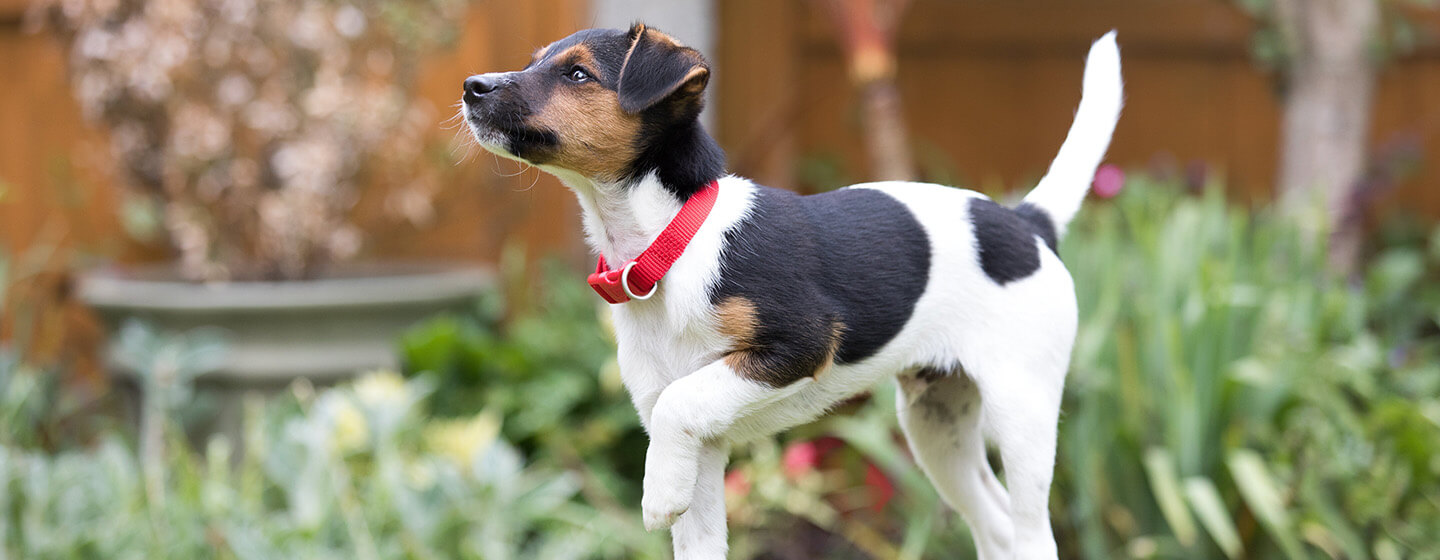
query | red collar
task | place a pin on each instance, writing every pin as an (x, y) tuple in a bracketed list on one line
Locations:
[(645, 271)]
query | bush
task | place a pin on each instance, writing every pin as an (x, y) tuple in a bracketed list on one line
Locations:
[(350, 472), (1279, 410), (549, 371)]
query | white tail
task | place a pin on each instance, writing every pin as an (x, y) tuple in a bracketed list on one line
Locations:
[(1064, 186)]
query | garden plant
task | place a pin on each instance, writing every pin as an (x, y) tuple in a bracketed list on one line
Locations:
[(1229, 398)]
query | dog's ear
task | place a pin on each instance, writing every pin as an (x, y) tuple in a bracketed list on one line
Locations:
[(658, 68)]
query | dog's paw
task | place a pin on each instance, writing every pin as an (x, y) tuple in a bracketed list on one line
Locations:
[(661, 508)]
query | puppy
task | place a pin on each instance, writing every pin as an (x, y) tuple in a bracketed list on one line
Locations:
[(742, 310)]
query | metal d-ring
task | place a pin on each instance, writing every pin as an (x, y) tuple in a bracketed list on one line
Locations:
[(625, 283)]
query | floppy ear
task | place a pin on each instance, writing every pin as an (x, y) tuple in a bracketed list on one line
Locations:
[(659, 68)]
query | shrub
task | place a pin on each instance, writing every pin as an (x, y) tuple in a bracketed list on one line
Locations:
[(252, 122), (350, 472)]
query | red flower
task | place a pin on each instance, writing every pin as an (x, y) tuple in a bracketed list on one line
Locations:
[(881, 490)]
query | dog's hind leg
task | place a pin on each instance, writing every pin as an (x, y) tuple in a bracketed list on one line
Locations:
[(1021, 407), (699, 534), (940, 415)]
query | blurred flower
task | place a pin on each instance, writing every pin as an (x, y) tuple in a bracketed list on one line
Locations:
[(350, 21), (881, 490), (800, 458), (460, 441), (380, 387), (351, 432), (1109, 179), (420, 475), (314, 95), (1197, 175), (736, 485)]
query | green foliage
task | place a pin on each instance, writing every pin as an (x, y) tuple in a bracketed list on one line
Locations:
[(1397, 35), (1216, 354), (550, 372), (351, 472)]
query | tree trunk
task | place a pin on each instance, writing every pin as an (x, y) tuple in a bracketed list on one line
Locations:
[(866, 30), (885, 135), (1326, 125)]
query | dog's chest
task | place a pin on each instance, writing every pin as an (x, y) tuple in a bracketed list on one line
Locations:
[(663, 345), (676, 332)]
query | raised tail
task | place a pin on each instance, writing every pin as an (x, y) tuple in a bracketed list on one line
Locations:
[(1063, 188)]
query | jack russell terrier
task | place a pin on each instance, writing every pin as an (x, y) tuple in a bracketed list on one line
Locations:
[(742, 310)]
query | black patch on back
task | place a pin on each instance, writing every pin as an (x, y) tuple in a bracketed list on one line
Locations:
[(854, 257), (1007, 238), (1040, 222)]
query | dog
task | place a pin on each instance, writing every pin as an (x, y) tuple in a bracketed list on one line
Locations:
[(742, 310)]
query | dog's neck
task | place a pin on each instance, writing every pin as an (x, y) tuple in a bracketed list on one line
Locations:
[(623, 217)]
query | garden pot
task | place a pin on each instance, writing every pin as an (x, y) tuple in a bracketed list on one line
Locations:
[(322, 330)]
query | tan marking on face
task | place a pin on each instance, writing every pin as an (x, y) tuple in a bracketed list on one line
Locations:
[(540, 53), (663, 38), (597, 137)]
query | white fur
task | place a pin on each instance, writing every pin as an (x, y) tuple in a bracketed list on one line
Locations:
[(1013, 342), (1065, 185)]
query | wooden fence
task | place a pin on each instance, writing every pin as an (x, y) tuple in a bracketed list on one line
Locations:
[(989, 89)]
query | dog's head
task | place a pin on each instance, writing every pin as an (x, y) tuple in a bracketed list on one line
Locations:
[(593, 103)]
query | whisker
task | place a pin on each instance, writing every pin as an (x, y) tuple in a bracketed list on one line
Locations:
[(523, 168)]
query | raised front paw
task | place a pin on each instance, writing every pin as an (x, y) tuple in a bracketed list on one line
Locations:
[(662, 506)]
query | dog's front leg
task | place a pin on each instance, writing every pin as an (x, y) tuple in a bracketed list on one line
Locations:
[(691, 413), (700, 533)]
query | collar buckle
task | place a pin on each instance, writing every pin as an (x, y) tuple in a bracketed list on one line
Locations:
[(617, 286), (614, 285)]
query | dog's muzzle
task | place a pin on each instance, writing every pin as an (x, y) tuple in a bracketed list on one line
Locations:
[(477, 86)]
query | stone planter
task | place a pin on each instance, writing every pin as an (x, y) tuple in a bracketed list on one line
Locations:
[(323, 330)]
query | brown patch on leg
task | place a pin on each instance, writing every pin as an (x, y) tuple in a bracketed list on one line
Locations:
[(738, 320), (783, 361), (837, 332)]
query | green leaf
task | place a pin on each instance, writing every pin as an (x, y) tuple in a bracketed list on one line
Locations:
[(1208, 506), (1160, 469), (1263, 496)]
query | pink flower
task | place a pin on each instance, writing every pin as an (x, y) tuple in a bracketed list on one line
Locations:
[(736, 483), (800, 458), (1109, 179)]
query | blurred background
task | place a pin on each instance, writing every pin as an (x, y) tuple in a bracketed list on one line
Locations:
[(262, 298)]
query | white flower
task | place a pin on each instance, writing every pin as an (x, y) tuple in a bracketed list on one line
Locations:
[(380, 387), (234, 89), (350, 21)]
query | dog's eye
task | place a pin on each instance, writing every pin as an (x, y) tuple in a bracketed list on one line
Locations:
[(578, 74)]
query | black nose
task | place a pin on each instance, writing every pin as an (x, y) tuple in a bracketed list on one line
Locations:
[(476, 86)]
